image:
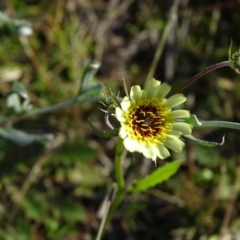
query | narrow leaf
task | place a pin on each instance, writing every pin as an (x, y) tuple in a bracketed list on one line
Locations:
[(19, 88), (194, 121), (90, 92), (205, 143), (21, 138), (13, 102), (88, 73), (159, 175)]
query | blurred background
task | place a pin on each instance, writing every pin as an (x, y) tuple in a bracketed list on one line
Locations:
[(55, 191)]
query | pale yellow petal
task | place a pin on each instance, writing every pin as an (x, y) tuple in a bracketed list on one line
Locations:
[(175, 132), (131, 145), (151, 89), (119, 114), (163, 90), (149, 152), (180, 114), (125, 104), (175, 100), (123, 133), (162, 152), (135, 92), (184, 128), (174, 143)]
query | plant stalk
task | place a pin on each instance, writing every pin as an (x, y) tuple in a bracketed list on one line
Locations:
[(50, 108), (201, 74), (119, 176), (168, 27)]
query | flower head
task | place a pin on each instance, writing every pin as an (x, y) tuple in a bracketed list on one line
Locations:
[(148, 123), (234, 59)]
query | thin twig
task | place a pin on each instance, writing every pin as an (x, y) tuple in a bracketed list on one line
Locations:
[(107, 203), (162, 42), (119, 176), (167, 197), (114, 10), (32, 176)]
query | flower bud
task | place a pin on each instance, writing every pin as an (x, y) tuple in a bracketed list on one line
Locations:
[(234, 59)]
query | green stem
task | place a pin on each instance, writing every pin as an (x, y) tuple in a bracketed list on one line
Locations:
[(110, 197), (114, 206), (218, 124), (51, 108), (119, 176), (118, 164), (199, 75)]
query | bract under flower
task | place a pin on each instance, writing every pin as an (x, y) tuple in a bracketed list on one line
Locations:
[(148, 123)]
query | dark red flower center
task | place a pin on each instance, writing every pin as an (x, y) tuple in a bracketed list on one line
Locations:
[(147, 120)]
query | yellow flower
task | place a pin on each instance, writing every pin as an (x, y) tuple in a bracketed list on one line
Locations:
[(148, 123)]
